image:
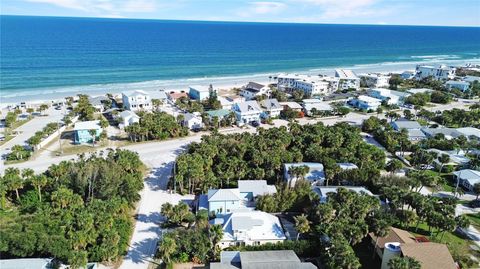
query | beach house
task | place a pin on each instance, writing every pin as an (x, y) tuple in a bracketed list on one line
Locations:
[(128, 117), (347, 79), (310, 85), (413, 128), (82, 131), (459, 85), (448, 133), (440, 72), (467, 178), (137, 101), (323, 191), (315, 173), (390, 96), (365, 102), (174, 96), (271, 108), (223, 201), (247, 112), (375, 80), (249, 228), (193, 121), (200, 92), (401, 243), (281, 259), (253, 89), (471, 133), (313, 107)]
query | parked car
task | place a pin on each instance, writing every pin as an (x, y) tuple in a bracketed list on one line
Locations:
[(255, 123)]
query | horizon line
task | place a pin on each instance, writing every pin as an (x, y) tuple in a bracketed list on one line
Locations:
[(234, 21)]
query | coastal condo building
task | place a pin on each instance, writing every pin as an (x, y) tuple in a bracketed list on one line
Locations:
[(310, 85), (441, 72), (348, 79)]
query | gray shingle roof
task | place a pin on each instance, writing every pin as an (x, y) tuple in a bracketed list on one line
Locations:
[(269, 104), (254, 85), (406, 124), (248, 106), (223, 195), (446, 131)]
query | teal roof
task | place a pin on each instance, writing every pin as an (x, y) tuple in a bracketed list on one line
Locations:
[(219, 113)]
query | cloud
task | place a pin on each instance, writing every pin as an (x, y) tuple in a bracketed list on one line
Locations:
[(262, 8), (334, 9), (104, 8)]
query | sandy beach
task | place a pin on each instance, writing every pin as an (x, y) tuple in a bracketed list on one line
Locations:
[(49, 95)]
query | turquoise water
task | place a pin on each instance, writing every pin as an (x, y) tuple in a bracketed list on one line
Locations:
[(66, 54)]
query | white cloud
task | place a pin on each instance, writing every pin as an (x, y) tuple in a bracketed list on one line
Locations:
[(262, 8), (334, 9), (105, 8)]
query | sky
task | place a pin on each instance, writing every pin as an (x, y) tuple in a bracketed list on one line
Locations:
[(398, 12)]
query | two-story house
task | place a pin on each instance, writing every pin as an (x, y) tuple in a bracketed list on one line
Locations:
[(247, 112), (137, 101)]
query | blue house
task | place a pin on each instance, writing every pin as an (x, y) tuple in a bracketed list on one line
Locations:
[(223, 201), (199, 92), (82, 131)]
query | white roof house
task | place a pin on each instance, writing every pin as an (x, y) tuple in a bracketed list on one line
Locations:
[(347, 166), (315, 174), (247, 112), (459, 85), (199, 92), (419, 90), (318, 105), (192, 121), (455, 159), (256, 187), (365, 102), (467, 178), (137, 100), (279, 259), (413, 128), (311, 85), (449, 133), (253, 89), (271, 108), (223, 195), (291, 105), (471, 79), (376, 80), (249, 227), (87, 125), (323, 191), (392, 97), (128, 117)]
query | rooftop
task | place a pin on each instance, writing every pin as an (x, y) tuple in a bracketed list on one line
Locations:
[(394, 235), (218, 113), (315, 172), (281, 259), (135, 93), (324, 191), (128, 113), (87, 125), (368, 99), (419, 90), (200, 88), (248, 106), (223, 195), (431, 255), (345, 74), (27, 263), (292, 105), (406, 124), (347, 166), (255, 225), (257, 187), (448, 132), (269, 104), (472, 176), (254, 85), (469, 131)]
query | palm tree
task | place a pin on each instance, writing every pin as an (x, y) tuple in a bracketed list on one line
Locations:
[(404, 263), (443, 159), (167, 247), (476, 190), (38, 182), (93, 133), (216, 234), (380, 229), (14, 180), (302, 224)]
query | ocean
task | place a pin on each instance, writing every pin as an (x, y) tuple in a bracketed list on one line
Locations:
[(50, 55)]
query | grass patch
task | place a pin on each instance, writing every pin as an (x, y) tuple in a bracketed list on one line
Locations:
[(19, 123), (7, 138), (71, 149), (474, 220)]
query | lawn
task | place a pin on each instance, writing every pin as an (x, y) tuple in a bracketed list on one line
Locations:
[(474, 220), (7, 138)]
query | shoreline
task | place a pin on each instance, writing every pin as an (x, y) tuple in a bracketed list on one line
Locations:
[(50, 95)]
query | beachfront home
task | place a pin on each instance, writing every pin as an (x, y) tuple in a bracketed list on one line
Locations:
[(284, 259), (253, 89), (441, 72), (271, 108), (310, 85), (247, 112), (219, 113), (323, 191), (98, 102), (200, 92), (348, 79), (399, 242), (467, 178), (413, 128), (448, 133), (407, 75), (82, 131), (224, 102), (174, 96), (315, 173), (291, 105), (315, 106), (137, 101), (375, 80), (193, 121), (365, 102), (390, 96), (459, 85), (249, 228), (127, 118), (222, 201)]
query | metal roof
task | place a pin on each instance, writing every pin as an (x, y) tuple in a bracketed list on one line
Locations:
[(256, 187), (406, 124), (223, 195), (87, 125)]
